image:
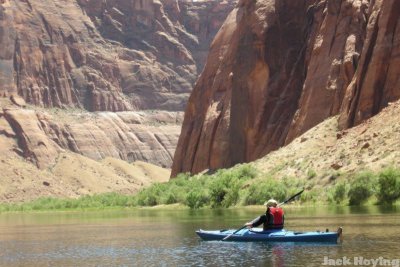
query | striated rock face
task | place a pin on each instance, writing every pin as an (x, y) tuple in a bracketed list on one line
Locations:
[(40, 136), (113, 55), (376, 81), (130, 136), (278, 67)]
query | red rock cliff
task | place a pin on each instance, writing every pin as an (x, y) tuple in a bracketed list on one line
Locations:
[(112, 55), (100, 55), (278, 67)]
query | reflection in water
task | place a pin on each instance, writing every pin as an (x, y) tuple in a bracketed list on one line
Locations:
[(166, 238), (278, 256)]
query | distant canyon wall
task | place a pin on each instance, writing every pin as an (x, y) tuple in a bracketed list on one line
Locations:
[(40, 136), (106, 55), (278, 67), (65, 56)]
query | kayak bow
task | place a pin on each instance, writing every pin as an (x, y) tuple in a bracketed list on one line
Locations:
[(258, 235)]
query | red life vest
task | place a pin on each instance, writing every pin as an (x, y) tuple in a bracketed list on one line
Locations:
[(277, 217)]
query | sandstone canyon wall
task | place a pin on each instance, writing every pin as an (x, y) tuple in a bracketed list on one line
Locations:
[(112, 55), (41, 135), (63, 57), (278, 67)]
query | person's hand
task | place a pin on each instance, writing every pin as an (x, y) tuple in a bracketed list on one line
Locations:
[(249, 225)]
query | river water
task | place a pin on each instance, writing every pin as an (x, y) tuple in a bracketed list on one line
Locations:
[(157, 237)]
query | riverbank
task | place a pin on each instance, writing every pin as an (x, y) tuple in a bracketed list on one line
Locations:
[(240, 186)]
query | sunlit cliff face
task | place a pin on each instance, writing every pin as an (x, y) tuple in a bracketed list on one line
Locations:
[(105, 56)]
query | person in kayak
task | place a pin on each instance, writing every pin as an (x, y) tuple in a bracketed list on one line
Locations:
[(272, 219)]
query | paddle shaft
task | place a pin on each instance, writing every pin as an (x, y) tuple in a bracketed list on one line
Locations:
[(226, 237), (280, 204), (291, 198)]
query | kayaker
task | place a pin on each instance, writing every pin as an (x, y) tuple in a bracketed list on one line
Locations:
[(272, 219)]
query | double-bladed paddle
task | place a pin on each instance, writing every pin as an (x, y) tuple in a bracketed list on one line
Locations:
[(280, 204)]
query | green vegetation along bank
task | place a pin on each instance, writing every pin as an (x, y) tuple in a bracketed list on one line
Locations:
[(238, 186)]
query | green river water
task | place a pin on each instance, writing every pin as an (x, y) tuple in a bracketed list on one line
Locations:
[(157, 237)]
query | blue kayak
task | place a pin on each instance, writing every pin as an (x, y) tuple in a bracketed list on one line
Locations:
[(258, 235)]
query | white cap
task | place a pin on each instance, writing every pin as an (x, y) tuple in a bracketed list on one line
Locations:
[(271, 203)]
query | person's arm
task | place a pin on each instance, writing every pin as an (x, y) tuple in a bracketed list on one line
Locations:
[(257, 221)]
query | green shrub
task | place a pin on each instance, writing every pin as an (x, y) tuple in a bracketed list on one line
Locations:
[(146, 200), (389, 186), (225, 185), (152, 195), (218, 189), (232, 196), (109, 200), (196, 199), (259, 192), (181, 179), (97, 201), (293, 184), (170, 198), (361, 188), (309, 196), (173, 194), (339, 192), (244, 172)]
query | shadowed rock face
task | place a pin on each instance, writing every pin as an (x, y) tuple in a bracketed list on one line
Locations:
[(278, 68), (113, 55)]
